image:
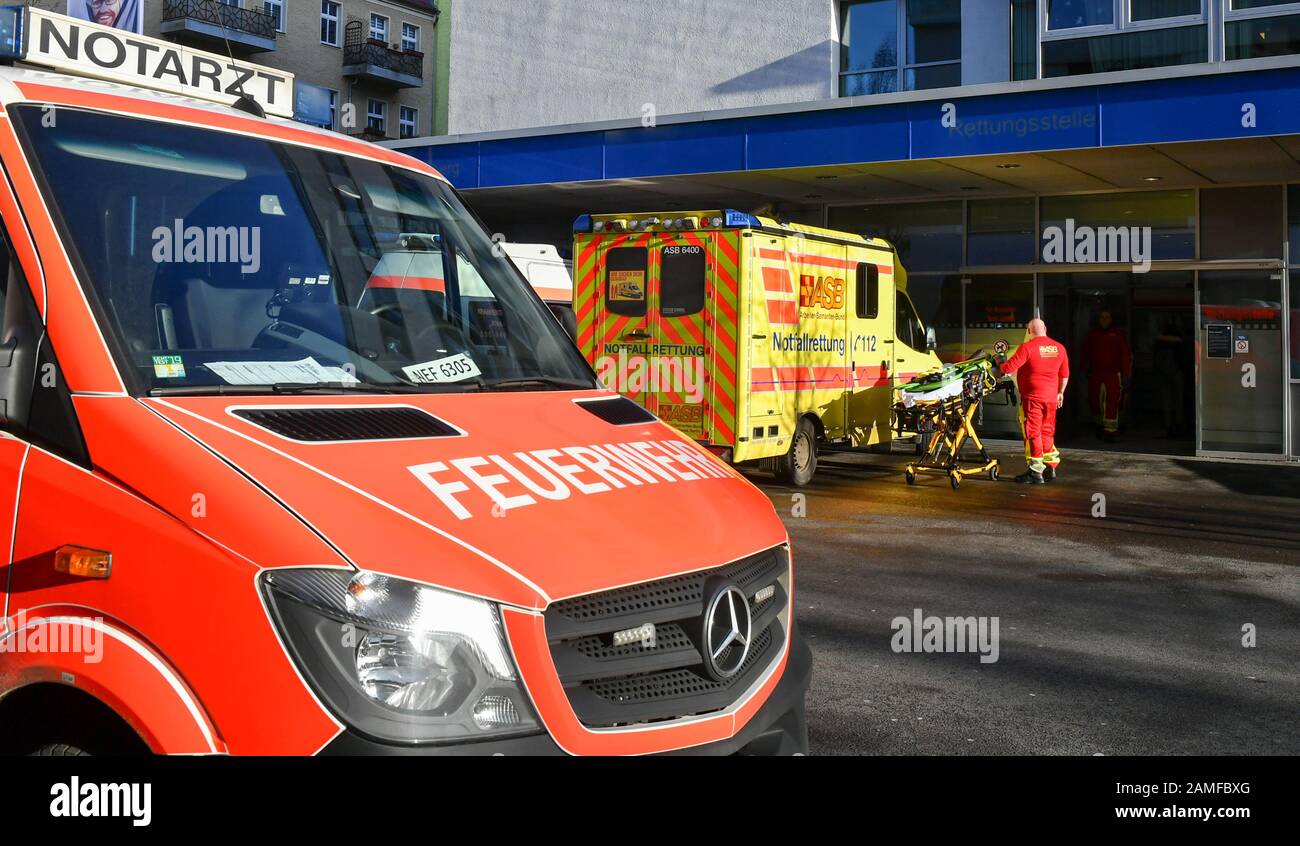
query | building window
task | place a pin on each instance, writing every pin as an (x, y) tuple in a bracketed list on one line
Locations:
[(408, 121), (376, 115), (1074, 14), (1001, 231), (379, 28), (1171, 215), (1155, 48), (928, 236), (1259, 4), (1253, 29), (1152, 10), (329, 23), (410, 37), (1099, 36), (275, 8), (899, 45), (1024, 39)]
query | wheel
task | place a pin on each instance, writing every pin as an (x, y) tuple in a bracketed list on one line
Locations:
[(59, 750), (993, 473), (798, 465), (955, 480), (910, 476)]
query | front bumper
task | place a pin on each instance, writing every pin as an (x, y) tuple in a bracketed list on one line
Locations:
[(779, 727)]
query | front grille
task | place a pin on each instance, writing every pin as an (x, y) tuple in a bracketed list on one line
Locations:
[(317, 425), (612, 685)]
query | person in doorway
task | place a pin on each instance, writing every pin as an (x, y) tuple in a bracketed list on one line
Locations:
[(1109, 361), (1044, 372), (1170, 344)]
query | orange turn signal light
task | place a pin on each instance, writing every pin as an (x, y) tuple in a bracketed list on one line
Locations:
[(83, 562)]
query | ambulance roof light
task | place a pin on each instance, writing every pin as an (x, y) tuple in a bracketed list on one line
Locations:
[(12, 45), (583, 223), (737, 218)]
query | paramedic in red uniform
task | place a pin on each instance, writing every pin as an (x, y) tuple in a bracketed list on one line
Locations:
[(1110, 364), (1044, 373)]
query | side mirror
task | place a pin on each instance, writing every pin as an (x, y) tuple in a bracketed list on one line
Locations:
[(931, 342)]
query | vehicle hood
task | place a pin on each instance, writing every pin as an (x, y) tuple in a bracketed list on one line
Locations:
[(422, 508)]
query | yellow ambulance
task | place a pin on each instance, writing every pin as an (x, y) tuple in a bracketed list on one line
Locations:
[(763, 340)]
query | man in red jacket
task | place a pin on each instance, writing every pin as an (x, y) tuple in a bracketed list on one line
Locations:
[(1110, 364), (1044, 372)]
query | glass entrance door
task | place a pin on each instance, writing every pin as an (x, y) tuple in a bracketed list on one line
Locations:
[(1240, 376)]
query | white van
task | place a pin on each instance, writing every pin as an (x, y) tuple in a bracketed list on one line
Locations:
[(551, 277)]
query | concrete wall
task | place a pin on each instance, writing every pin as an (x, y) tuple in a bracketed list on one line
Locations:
[(985, 41), (299, 50), (546, 62)]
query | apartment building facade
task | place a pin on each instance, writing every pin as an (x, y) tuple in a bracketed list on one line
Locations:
[(363, 67), (977, 135)]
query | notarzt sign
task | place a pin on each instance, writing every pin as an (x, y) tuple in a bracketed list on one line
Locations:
[(88, 49)]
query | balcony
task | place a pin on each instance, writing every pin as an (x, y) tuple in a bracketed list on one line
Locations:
[(371, 60), (212, 25), (370, 134)]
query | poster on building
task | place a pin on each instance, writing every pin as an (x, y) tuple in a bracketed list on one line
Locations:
[(120, 14)]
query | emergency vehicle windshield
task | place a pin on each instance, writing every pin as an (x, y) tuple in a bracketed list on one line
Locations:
[(224, 263)]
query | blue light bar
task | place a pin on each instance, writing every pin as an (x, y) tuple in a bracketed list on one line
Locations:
[(737, 218), (12, 44), (582, 224)]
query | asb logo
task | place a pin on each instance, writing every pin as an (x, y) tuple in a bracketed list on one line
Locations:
[(821, 292)]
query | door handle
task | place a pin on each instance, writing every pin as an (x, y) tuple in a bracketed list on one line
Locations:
[(637, 335)]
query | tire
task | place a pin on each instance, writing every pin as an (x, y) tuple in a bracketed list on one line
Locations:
[(955, 480), (798, 465), (909, 475), (993, 473), (59, 750)]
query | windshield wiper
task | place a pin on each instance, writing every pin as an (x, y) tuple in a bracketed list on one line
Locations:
[(541, 381), (300, 388)]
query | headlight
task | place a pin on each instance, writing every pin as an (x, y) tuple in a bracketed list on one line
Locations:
[(398, 660)]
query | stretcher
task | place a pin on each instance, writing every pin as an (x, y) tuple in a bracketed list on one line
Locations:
[(942, 409)]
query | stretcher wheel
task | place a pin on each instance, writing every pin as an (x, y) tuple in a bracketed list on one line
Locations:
[(955, 479), (910, 476), (993, 473)]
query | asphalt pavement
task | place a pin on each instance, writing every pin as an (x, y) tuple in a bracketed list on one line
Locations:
[(1118, 634)]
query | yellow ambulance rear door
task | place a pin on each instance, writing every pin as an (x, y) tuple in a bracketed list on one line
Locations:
[(650, 324)]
